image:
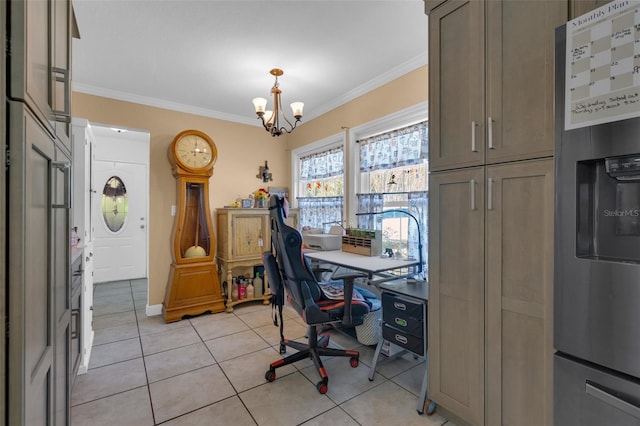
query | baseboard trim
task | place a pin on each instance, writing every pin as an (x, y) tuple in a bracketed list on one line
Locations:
[(153, 310)]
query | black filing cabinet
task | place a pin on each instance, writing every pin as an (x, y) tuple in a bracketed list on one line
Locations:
[(404, 322)]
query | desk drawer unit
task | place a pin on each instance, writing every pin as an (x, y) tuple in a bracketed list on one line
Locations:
[(404, 322)]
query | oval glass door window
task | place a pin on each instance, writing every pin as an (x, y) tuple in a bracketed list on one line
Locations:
[(115, 203)]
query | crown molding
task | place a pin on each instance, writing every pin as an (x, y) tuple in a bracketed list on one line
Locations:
[(372, 84)]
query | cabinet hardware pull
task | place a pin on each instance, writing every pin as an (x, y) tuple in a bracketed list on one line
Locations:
[(608, 398), (75, 316), (490, 132), (472, 182), (474, 124), (64, 167), (62, 76), (490, 194), (400, 306), (401, 339), (401, 322)]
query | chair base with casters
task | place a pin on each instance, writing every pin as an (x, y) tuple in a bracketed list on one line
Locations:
[(315, 349), (316, 318)]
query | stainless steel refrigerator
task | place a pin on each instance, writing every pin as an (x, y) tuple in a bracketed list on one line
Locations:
[(596, 267)]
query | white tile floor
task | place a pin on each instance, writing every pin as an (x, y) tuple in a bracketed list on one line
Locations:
[(209, 370)]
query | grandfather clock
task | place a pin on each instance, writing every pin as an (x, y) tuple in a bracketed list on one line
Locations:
[(193, 287)]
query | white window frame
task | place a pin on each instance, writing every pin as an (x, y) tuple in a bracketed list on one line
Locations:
[(403, 118), (334, 141)]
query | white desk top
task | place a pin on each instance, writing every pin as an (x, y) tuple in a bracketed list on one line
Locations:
[(369, 264)]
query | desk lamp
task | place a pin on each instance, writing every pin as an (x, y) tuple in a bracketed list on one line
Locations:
[(417, 225)]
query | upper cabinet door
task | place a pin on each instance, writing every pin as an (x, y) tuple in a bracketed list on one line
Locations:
[(61, 72), (29, 43), (456, 75), (39, 62), (520, 96)]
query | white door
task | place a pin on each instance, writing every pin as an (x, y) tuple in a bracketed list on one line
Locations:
[(119, 221)]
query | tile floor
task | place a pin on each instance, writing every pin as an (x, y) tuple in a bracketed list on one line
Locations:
[(209, 370)]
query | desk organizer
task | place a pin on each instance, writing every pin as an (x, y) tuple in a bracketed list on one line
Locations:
[(366, 242)]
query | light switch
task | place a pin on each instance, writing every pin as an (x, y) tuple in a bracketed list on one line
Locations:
[(173, 210)]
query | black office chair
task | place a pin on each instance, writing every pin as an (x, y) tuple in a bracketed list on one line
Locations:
[(289, 275)]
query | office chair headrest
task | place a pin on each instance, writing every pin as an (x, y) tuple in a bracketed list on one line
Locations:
[(276, 202)]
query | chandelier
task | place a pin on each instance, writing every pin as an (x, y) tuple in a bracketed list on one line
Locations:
[(272, 120)]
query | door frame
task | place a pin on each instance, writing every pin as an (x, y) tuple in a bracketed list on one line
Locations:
[(123, 145)]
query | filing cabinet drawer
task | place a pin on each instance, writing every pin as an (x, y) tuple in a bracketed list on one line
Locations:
[(407, 307), (404, 340), (404, 323), (403, 314)]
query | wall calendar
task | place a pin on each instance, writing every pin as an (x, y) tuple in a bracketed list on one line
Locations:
[(603, 65)]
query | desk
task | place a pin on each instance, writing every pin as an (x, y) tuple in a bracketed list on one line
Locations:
[(363, 266), (404, 317), (368, 265)]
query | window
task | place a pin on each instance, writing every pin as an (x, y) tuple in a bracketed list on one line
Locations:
[(115, 203), (321, 188), (394, 176)]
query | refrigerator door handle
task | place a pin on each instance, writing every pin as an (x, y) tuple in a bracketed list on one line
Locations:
[(599, 392)]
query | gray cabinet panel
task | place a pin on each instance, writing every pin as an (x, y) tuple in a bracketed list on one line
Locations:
[(31, 266), (456, 292), (519, 285)]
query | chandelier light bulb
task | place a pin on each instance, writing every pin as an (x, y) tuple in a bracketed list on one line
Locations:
[(260, 104), (297, 107)]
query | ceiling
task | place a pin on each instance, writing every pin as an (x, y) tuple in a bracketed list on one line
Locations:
[(211, 57)]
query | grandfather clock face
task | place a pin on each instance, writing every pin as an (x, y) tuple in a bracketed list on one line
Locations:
[(193, 151)]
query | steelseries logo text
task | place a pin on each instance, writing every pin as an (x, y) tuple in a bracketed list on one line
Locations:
[(622, 213)]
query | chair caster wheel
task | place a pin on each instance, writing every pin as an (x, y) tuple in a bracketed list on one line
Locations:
[(354, 362), (270, 375), (322, 387)]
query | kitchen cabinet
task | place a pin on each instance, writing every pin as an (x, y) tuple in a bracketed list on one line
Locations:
[(39, 263), (77, 273), (82, 141), (491, 81), (490, 301), (456, 292), (40, 65), (39, 369), (490, 214), (519, 293), (242, 236), (456, 81)]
